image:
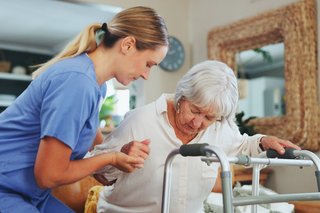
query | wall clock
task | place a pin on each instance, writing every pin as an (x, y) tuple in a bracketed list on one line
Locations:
[(175, 56)]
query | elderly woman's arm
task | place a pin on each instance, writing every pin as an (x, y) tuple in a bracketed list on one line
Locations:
[(235, 143), (261, 143), (119, 140)]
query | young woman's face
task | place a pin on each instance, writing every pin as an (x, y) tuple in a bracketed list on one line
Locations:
[(137, 64)]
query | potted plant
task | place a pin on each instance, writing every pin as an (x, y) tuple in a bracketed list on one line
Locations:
[(105, 114)]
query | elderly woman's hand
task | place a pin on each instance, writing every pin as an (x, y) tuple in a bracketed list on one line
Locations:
[(137, 149), (272, 142)]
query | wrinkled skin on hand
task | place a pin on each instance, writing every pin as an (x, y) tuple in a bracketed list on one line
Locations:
[(272, 142), (137, 149)]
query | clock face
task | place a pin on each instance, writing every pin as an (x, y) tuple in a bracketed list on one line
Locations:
[(175, 56)]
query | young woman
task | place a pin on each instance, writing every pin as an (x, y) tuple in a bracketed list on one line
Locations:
[(46, 132)]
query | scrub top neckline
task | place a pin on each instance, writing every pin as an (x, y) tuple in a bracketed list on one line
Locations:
[(103, 85)]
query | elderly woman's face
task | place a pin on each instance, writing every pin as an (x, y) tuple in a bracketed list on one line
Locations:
[(191, 119)]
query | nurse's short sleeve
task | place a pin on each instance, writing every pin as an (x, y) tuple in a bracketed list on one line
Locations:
[(68, 101)]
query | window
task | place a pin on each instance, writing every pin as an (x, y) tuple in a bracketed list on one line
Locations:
[(119, 100)]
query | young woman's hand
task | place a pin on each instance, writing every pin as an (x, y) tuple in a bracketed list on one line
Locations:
[(125, 162)]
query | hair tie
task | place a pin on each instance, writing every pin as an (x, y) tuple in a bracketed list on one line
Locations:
[(104, 27), (100, 33)]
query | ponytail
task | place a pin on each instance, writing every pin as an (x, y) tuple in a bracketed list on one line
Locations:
[(143, 23), (84, 42)]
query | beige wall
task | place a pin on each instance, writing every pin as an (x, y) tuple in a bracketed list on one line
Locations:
[(190, 21)]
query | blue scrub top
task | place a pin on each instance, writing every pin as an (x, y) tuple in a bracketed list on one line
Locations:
[(63, 102)]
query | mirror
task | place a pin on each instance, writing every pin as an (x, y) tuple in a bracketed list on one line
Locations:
[(295, 26), (261, 81)]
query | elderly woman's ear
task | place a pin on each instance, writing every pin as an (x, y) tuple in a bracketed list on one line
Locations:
[(178, 107)]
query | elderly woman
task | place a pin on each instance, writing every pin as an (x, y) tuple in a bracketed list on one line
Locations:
[(202, 110)]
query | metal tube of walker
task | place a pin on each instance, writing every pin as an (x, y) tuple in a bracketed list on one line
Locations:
[(243, 201), (167, 181), (184, 150), (225, 178), (220, 156), (315, 160)]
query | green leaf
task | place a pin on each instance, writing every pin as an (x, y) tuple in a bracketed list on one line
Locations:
[(107, 107)]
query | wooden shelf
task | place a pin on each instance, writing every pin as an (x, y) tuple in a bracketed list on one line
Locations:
[(16, 77), (242, 174), (5, 103), (306, 206)]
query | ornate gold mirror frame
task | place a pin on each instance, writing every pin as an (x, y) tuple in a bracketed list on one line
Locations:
[(295, 25)]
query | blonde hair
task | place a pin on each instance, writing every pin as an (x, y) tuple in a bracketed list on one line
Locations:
[(143, 23)]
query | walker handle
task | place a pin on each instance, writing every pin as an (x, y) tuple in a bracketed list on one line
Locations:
[(193, 149), (288, 154)]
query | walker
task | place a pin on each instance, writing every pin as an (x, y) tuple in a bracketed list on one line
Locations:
[(211, 154)]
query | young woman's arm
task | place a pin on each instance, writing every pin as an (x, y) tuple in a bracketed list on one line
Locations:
[(53, 166)]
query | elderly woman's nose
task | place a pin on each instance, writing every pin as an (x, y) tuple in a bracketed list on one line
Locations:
[(197, 121), (145, 75)]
